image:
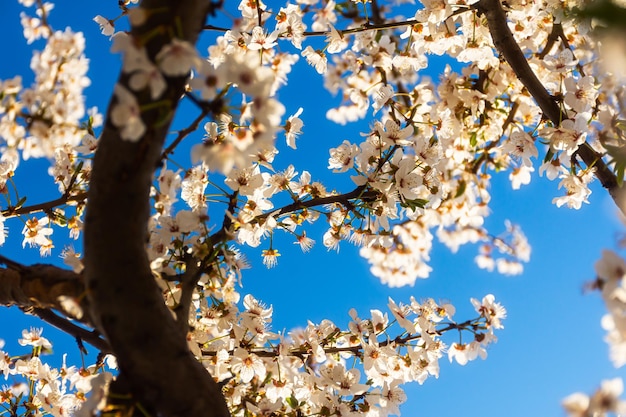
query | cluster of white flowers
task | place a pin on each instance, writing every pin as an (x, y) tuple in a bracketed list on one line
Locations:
[(611, 282), (313, 370), (39, 389), (605, 401), (424, 166), (48, 119), (306, 371), (422, 170)]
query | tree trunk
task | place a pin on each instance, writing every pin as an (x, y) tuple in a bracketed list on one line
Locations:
[(126, 304)]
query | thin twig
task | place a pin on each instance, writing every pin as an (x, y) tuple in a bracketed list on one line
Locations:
[(182, 134), (90, 336), (47, 206)]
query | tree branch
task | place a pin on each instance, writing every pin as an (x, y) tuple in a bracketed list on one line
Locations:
[(505, 43), (126, 302), (42, 287), (90, 336), (47, 206), (358, 192)]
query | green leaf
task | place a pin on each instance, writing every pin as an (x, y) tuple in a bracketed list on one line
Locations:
[(414, 204), (20, 203), (549, 156), (292, 402), (618, 157), (461, 189)]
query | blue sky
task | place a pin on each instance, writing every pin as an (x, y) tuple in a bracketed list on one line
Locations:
[(552, 342)]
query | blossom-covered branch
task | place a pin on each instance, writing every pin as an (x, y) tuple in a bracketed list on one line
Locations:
[(506, 44)]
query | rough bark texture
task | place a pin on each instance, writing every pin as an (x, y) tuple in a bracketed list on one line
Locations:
[(505, 43), (39, 286), (127, 306)]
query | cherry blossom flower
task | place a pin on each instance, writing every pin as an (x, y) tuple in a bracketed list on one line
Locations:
[(604, 400), (293, 128), (126, 115), (576, 188), (336, 41), (392, 134), (107, 27), (72, 259), (521, 145), (260, 40), (247, 365), (520, 176), (270, 257), (408, 179), (491, 310), (569, 135), (563, 62), (208, 80), (289, 23), (382, 97), (316, 58), (342, 157), (36, 233), (581, 94), (177, 58), (460, 352), (33, 338)]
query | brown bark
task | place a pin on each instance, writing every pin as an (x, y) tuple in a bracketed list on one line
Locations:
[(505, 43), (126, 304), (39, 286)]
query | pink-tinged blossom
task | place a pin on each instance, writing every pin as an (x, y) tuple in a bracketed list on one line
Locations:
[(408, 179), (521, 145), (342, 157), (72, 259), (491, 310), (33, 28), (344, 382), (207, 80), (581, 94), (150, 77), (393, 134), (576, 188), (245, 70), (261, 40), (569, 135), (126, 115), (463, 353), (177, 58), (611, 280), (325, 16), (553, 168), (270, 257), (401, 313), (563, 62), (289, 23)]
